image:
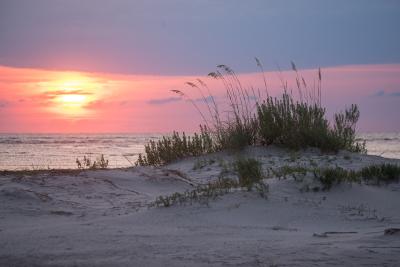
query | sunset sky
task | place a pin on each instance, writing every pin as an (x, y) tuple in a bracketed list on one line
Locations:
[(110, 66)]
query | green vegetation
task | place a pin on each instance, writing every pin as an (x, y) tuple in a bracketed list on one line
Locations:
[(331, 176), (87, 163), (250, 176), (171, 148), (249, 172), (200, 194), (374, 174), (295, 125), (381, 173), (258, 118), (328, 177)]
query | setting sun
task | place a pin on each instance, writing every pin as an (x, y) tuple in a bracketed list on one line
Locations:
[(69, 94), (73, 100)]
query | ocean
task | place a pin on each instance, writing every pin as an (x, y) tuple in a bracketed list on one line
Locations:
[(60, 151)]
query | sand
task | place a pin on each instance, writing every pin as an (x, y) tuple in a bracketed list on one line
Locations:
[(105, 217)]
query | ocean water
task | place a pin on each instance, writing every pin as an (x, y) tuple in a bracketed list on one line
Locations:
[(42, 151), (38, 151)]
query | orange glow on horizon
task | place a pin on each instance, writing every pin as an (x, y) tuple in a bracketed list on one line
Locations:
[(33, 100)]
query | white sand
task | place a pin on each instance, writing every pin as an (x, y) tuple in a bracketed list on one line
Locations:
[(102, 218)]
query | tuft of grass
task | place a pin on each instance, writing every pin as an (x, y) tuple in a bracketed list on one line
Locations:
[(201, 194), (332, 176), (238, 127), (171, 148), (295, 125), (374, 174), (249, 172), (204, 193), (87, 163), (328, 177), (381, 173)]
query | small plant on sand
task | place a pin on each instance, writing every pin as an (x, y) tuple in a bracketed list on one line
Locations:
[(249, 172), (344, 134), (331, 176), (204, 193), (87, 163), (373, 174), (171, 148), (201, 194), (381, 173)]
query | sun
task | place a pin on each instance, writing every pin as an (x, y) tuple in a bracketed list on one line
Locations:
[(71, 94), (73, 100), (72, 97)]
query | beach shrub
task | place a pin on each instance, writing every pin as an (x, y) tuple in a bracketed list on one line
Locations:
[(87, 163), (249, 172), (344, 134), (253, 118), (171, 148), (295, 125), (282, 121), (236, 135)]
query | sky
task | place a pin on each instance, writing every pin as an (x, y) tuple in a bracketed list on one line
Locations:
[(110, 66)]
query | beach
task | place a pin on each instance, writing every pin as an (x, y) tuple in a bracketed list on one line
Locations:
[(110, 217), (199, 133)]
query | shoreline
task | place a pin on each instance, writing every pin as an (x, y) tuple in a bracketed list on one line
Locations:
[(56, 156)]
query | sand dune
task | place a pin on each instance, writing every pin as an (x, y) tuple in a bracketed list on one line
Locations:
[(105, 217)]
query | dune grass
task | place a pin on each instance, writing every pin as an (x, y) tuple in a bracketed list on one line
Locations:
[(374, 174), (249, 172), (87, 163), (201, 194), (328, 177), (171, 148), (250, 176), (256, 118), (296, 125)]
